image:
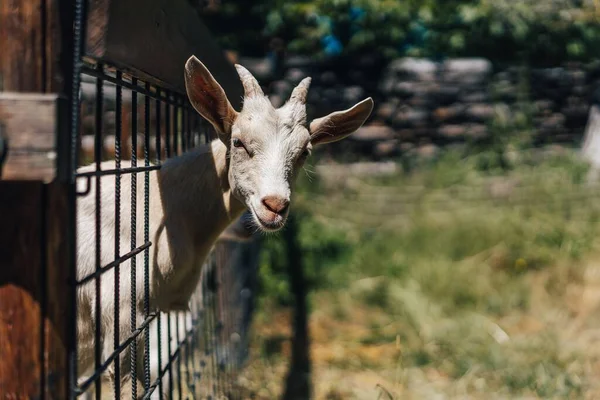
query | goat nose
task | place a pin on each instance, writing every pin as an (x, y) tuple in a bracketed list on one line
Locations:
[(276, 204)]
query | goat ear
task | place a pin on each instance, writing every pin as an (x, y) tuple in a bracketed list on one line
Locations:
[(208, 97), (338, 125)]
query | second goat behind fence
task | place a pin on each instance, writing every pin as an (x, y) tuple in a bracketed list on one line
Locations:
[(192, 199)]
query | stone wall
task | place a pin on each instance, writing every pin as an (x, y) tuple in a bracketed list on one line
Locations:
[(423, 105)]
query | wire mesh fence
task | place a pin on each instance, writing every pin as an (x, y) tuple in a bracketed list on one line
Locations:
[(129, 127)]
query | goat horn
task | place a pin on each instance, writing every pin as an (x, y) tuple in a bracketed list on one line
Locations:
[(251, 86), (301, 91)]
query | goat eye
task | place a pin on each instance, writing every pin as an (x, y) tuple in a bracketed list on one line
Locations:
[(237, 143), (305, 153)]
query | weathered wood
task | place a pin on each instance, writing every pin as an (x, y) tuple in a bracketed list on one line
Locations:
[(30, 45), (33, 321), (155, 38), (29, 122), (21, 32), (35, 312)]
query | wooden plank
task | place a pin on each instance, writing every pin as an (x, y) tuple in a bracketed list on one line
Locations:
[(21, 44), (32, 317), (155, 38), (30, 45), (35, 313), (57, 314), (29, 122)]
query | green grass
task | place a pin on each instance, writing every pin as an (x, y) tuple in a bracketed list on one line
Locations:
[(473, 285)]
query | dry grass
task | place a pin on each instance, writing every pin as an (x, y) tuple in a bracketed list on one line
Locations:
[(459, 287)]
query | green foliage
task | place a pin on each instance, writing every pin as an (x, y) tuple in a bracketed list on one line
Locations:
[(538, 32)]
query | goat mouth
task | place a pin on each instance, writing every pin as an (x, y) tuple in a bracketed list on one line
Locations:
[(270, 225)]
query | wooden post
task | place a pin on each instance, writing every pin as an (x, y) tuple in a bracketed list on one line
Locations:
[(35, 294)]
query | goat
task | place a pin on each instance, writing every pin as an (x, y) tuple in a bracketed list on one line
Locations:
[(193, 198)]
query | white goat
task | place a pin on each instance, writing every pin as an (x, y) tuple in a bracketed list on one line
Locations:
[(193, 198)]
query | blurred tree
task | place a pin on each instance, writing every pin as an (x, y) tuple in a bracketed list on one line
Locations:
[(533, 31)]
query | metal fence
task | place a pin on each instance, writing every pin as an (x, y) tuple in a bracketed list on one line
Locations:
[(137, 120), (139, 125)]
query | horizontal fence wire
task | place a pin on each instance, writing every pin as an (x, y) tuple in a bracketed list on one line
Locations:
[(128, 129)]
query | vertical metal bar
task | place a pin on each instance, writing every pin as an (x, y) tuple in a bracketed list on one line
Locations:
[(176, 125), (179, 347), (158, 318), (190, 346), (211, 322), (168, 126), (224, 264), (117, 319), (159, 132), (158, 335), (169, 352), (133, 272), (77, 42), (206, 322), (192, 128), (98, 151), (147, 238), (184, 139)]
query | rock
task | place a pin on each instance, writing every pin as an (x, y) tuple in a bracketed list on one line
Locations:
[(385, 112), (387, 85), (427, 151), (479, 112), (372, 133), (452, 131), (353, 94), (467, 70), (295, 75), (474, 97), (387, 148), (299, 62), (405, 89), (261, 68), (451, 113), (410, 118), (414, 69)]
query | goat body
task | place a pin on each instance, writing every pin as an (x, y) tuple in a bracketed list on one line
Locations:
[(190, 204)]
